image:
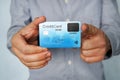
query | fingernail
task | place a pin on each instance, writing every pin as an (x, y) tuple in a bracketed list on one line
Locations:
[(44, 49), (42, 17), (36, 17), (45, 53)]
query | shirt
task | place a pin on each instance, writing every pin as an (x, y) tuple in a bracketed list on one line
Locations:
[(66, 64)]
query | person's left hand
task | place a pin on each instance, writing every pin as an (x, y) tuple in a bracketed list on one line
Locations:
[(95, 44)]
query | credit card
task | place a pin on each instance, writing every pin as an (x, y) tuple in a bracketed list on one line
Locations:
[(60, 34)]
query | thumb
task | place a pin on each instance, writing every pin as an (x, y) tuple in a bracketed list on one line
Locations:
[(88, 30), (38, 20), (31, 30)]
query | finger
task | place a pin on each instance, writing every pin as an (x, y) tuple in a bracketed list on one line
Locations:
[(32, 49), (35, 64), (89, 44), (37, 57), (16, 52), (37, 21), (84, 27), (88, 30), (93, 52), (28, 63), (94, 42), (20, 43), (31, 58), (31, 30), (24, 47), (92, 59), (38, 67)]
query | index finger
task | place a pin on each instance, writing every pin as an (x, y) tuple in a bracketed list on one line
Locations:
[(88, 30), (32, 49), (20, 43)]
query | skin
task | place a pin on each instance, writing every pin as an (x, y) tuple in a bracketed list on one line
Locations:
[(26, 50), (95, 44), (35, 57)]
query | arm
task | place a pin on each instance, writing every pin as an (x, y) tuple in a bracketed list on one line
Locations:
[(111, 24), (20, 17)]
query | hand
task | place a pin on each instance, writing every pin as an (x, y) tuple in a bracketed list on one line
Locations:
[(24, 45), (95, 44)]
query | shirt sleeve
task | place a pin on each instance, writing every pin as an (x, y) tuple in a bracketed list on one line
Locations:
[(111, 24), (20, 16)]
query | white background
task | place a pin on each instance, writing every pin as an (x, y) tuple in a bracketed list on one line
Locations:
[(12, 69)]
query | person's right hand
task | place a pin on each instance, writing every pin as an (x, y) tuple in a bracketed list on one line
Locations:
[(24, 46)]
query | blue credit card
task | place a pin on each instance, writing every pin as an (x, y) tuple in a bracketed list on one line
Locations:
[(60, 34)]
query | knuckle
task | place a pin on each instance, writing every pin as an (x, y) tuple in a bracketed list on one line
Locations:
[(42, 64), (39, 57), (25, 59), (103, 44), (43, 56), (26, 64)]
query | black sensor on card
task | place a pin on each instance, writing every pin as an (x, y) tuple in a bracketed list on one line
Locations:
[(73, 27)]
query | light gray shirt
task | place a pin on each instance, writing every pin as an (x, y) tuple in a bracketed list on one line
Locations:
[(66, 64)]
